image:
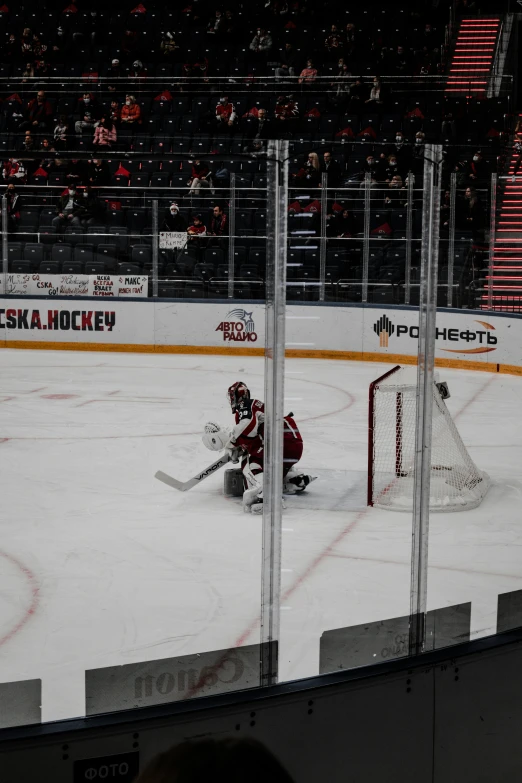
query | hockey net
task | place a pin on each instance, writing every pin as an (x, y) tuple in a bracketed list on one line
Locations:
[(456, 483)]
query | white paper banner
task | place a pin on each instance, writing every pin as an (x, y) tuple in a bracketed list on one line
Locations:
[(172, 240), (76, 285)]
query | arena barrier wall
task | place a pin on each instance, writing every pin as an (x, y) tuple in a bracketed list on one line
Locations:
[(467, 339)]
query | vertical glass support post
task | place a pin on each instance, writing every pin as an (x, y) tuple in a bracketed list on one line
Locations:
[(155, 243), (409, 239), (492, 239), (232, 237), (275, 310), (5, 254), (451, 236), (322, 240), (425, 371), (366, 240)]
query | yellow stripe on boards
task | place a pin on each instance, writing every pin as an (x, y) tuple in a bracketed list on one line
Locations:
[(291, 353)]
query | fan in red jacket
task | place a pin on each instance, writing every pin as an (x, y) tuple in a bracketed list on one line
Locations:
[(286, 108), (225, 112)]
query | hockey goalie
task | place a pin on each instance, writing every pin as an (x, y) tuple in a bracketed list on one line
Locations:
[(245, 445)]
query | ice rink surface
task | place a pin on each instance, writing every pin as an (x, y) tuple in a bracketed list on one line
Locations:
[(103, 565)]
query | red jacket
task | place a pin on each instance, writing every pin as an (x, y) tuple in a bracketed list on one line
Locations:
[(225, 112)]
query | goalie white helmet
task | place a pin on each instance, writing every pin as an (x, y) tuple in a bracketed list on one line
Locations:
[(215, 438)]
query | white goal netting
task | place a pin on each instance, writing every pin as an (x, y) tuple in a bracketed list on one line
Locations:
[(456, 482)]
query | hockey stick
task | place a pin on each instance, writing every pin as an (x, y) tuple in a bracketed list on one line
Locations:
[(183, 486)]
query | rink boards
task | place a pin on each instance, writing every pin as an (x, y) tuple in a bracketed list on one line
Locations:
[(465, 339)]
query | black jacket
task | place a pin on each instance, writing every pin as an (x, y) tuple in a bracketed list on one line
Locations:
[(174, 222)]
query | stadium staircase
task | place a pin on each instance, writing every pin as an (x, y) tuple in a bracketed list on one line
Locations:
[(505, 279), (473, 58)]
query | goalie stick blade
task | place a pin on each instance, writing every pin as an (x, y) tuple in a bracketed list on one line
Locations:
[(183, 486)]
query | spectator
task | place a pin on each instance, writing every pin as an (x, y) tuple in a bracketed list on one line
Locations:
[(28, 73), (13, 207), (115, 112), (287, 64), (418, 149), (478, 168), (68, 210), (76, 172), (196, 230), (310, 173), (261, 42), (61, 132), (225, 114), (215, 25), (114, 71), (342, 85), (173, 220), (402, 62), (473, 212), (87, 102), (256, 148), (38, 113), (231, 760), (218, 223), (14, 171), (138, 71), (334, 41), (168, 46), (392, 167), (286, 108), (105, 133), (28, 144), (376, 93), (99, 173), (200, 177), (356, 95), (261, 129), (374, 167), (343, 225), (129, 43), (308, 74), (350, 39), (332, 169), (395, 195), (130, 112), (90, 208), (87, 123)]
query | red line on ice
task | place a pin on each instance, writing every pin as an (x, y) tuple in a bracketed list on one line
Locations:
[(35, 591)]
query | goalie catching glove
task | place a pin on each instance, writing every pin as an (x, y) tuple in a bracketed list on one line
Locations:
[(217, 438)]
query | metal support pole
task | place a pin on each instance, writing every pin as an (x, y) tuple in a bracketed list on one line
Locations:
[(322, 240), (424, 411), (155, 242), (451, 237), (277, 184), (409, 236), (232, 237), (366, 240), (492, 225), (5, 252)]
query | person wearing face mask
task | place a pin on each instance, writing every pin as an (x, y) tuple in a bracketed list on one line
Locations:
[(392, 167), (68, 210), (418, 149), (374, 167), (478, 168), (88, 111), (201, 177), (402, 150), (173, 220), (130, 111)]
